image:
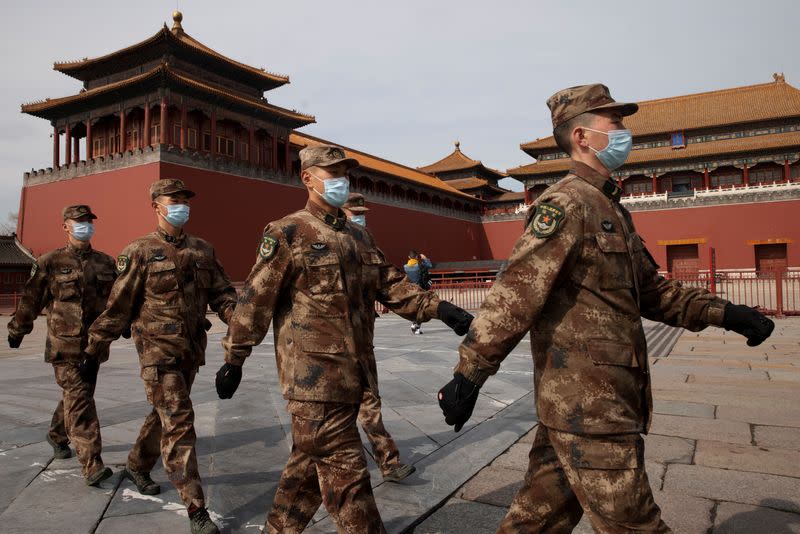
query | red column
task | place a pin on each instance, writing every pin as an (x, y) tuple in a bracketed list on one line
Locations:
[(274, 162), (252, 149), (163, 127), (706, 179), (56, 148), (183, 126), (746, 175), (527, 195), (146, 137), (76, 149), (213, 133), (655, 183), (67, 145), (786, 173), (123, 144), (89, 140), (287, 154)]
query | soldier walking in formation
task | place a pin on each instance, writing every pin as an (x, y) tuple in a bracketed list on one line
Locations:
[(317, 278), (72, 283), (579, 280), (166, 281), (384, 449)]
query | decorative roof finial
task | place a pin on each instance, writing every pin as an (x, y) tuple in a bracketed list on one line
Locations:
[(458, 146), (778, 77), (177, 17)]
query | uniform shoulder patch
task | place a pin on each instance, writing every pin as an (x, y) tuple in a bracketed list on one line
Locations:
[(546, 220), (268, 247), (122, 263)]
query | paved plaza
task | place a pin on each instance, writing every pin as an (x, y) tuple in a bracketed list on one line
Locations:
[(723, 454)]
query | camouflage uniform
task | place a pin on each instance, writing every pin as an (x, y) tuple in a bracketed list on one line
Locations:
[(317, 279), (73, 285), (579, 280), (164, 286)]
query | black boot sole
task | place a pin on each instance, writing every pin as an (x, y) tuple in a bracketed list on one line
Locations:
[(152, 491)]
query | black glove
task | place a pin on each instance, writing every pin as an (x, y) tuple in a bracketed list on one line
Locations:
[(454, 317), (206, 324), (228, 378), (750, 323), (457, 400), (88, 368), (126, 333), (14, 342)]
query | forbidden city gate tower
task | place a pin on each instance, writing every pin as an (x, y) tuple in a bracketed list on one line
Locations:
[(156, 109)]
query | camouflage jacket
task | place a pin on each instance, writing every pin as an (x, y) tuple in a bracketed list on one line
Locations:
[(317, 278), (73, 285), (163, 289), (579, 280)]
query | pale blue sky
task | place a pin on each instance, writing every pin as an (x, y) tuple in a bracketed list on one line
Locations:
[(403, 80)]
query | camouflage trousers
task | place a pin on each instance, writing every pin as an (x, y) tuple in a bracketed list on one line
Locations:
[(383, 446), (168, 430), (327, 465), (568, 475), (75, 418)]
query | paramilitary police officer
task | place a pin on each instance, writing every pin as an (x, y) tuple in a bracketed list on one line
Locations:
[(317, 278), (166, 281), (384, 449), (73, 283), (579, 280)]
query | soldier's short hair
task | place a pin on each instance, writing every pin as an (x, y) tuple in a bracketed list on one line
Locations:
[(563, 132)]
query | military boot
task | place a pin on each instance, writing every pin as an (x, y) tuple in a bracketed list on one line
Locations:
[(200, 523), (399, 473), (60, 451), (98, 476), (144, 484)]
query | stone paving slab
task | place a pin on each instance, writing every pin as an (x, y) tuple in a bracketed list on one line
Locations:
[(695, 428), (683, 408), (734, 518), (735, 486), (748, 458), (452, 517), (767, 413), (668, 449), (775, 436)]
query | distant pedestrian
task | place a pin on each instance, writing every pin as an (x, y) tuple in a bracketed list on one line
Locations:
[(417, 271)]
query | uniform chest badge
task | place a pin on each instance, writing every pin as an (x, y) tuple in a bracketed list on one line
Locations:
[(268, 247), (546, 220), (608, 226), (319, 246), (122, 263), (34, 269), (66, 270), (159, 257)]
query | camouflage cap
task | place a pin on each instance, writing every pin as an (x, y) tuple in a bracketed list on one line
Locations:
[(77, 211), (168, 186), (324, 156), (569, 103), (356, 203)]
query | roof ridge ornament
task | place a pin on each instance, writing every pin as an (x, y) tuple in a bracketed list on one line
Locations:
[(177, 17), (779, 77), (458, 145)]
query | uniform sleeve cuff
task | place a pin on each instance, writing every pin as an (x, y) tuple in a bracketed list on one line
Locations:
[(234, 359), (471, 372), (715, 314)]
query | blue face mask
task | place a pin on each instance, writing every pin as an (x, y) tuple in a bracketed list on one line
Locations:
[(359, 219), (82, 231), (177, 214), (619, 146), (337, 190)]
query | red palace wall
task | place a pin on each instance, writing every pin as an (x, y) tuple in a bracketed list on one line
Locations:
[(501, 237), (726, 228), (229, 211)]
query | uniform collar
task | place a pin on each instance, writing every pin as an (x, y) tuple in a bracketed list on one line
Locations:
[(175, 241), (337, 223), (81, 253), (588, 174)]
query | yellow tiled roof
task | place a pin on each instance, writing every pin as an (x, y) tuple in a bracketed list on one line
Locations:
[(751, 103), (456, 161), (692, 150), (381, 165), (177, 36), (164, 69)]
